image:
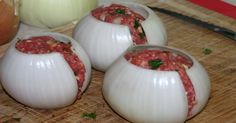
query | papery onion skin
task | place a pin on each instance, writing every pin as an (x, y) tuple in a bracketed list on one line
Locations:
[(105, 42), (42, 80), (9, 20), (54, 13), (143, 95)]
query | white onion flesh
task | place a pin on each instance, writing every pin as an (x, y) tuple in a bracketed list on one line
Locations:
[(143, 95), (105, 42), (102, 2), (42, 80), (54, 13)]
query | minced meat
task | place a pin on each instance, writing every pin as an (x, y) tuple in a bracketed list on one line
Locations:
[(47, 44), (166, 61), (122, 15)]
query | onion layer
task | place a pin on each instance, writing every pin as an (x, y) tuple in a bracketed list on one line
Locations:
[(101, 2)]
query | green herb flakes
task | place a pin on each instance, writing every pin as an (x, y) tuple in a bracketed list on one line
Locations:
[(154, 64), (207, 51), (120, 11), (136, 23), (142, 35), (89, 115)]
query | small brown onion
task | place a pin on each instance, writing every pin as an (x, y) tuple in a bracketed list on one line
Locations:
[(9, 20)]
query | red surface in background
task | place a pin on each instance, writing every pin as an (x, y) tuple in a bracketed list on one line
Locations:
[(219, 6)]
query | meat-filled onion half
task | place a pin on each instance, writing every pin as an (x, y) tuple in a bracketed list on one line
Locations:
[(45, 70), (156, 84), (107, 31)]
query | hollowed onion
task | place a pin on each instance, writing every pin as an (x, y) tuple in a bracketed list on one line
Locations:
[(146, 95), (104, 42), (44, 80)]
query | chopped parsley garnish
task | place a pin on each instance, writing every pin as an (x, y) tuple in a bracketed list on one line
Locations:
[(207, 51), (120, 11), (154, 64), (142, 35), (89, 115), (136, 23)]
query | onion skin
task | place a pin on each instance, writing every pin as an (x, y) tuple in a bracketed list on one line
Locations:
[(9, 21), (105, 42), (143, 95), (54, 13), (42, 80)]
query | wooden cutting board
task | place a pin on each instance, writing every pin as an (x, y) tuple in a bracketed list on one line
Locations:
[(220, 64)]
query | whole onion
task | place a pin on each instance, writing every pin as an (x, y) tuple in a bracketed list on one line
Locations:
[(9, 20), (53, 13)]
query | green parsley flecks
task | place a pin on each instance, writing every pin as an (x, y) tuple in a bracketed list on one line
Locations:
[(142, 35), (89, 115), (120, 11), (136, 23), (154, 64), (207, 51)]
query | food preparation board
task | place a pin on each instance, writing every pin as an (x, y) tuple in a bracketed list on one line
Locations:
[(220, 64)]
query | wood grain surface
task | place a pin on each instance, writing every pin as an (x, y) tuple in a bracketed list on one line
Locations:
[(220, 64)]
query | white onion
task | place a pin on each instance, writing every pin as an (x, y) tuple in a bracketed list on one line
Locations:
[(101, 2), (105, 42), (54, 13), (42, 80), (148, 96)]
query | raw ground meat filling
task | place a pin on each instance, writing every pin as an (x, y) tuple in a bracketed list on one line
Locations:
[(122, 15), (166, 61), (46, 44)]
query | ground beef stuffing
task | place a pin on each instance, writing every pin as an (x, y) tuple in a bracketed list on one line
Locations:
[(46, 44), (166, 61), (122, 15)]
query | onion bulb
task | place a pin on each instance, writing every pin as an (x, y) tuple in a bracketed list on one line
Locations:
[(45, 70), (154, 84), (105, 37), (9, 20), (53, 13)]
